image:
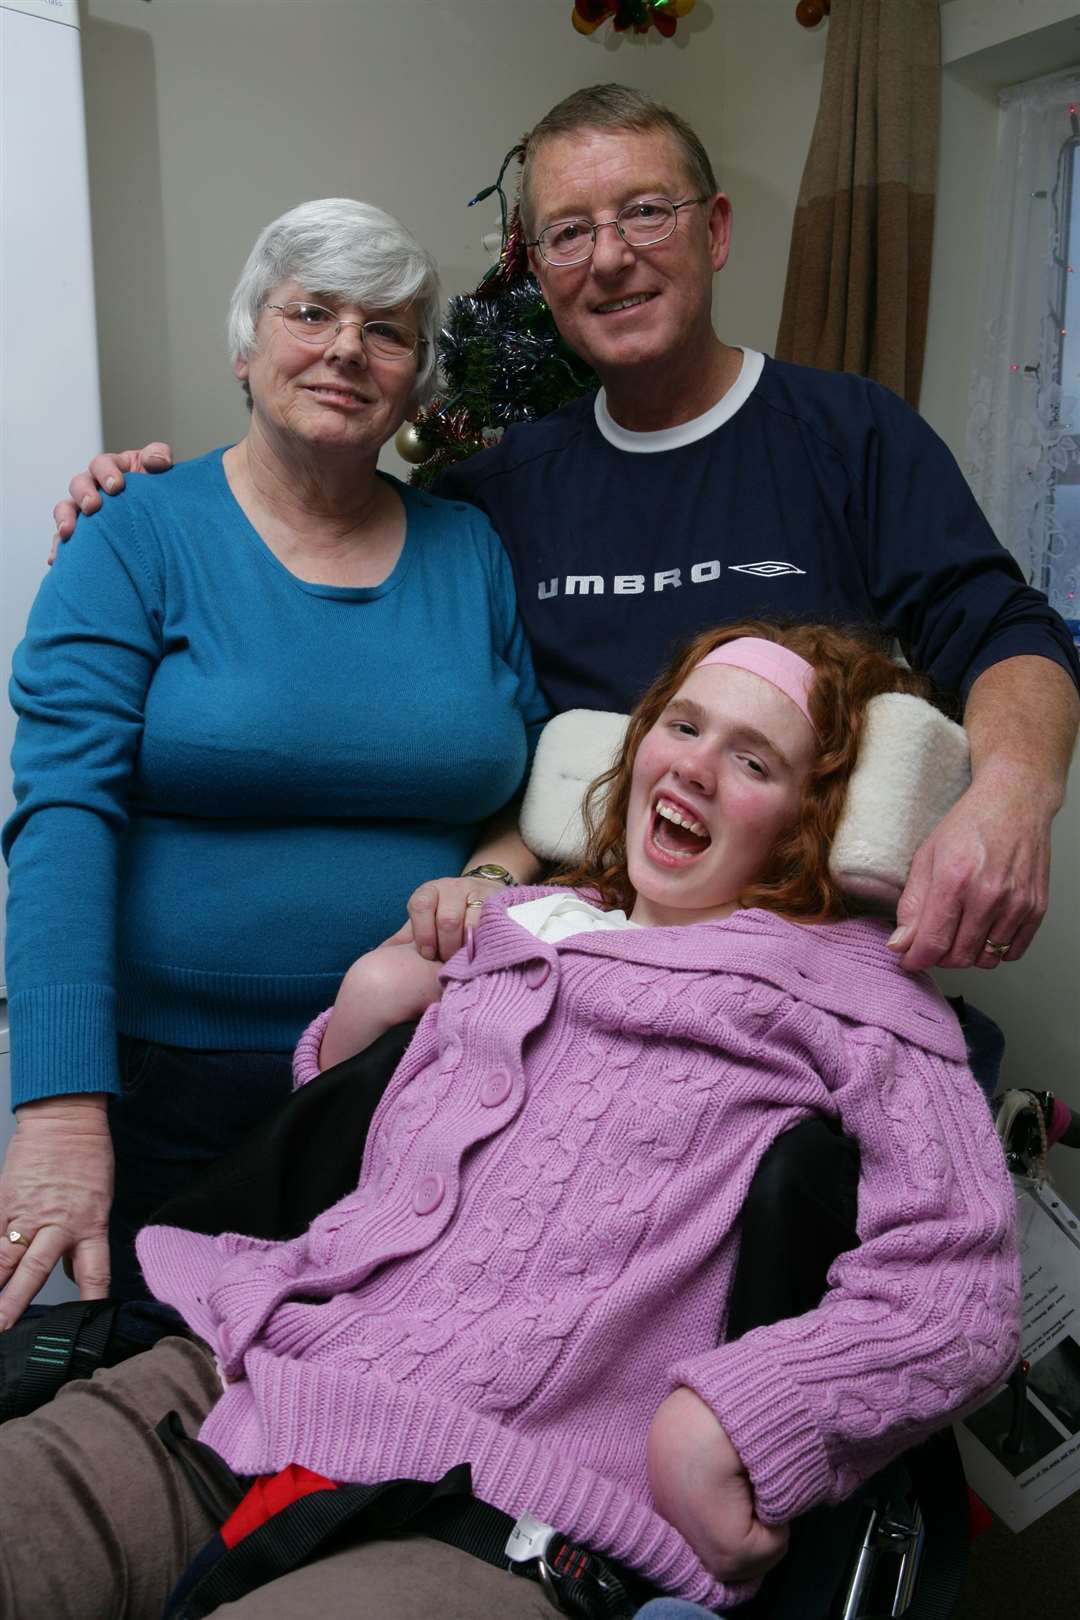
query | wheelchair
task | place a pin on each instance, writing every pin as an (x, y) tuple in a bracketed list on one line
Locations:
[(899, 1545)]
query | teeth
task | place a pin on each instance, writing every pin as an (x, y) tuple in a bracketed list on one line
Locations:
[(624, 303), (669, 813)]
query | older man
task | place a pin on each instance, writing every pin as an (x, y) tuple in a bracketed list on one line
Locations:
[(707, 482)]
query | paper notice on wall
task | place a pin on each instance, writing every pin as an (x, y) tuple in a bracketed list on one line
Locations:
[(1022, 1470), (61, 11)]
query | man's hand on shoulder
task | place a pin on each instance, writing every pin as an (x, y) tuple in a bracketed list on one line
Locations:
[(105, 472), (981, 879)]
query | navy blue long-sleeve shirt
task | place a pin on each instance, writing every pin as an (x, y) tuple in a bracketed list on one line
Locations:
[(810, 494)]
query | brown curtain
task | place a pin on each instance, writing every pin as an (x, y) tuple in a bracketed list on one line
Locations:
[(858, 279)]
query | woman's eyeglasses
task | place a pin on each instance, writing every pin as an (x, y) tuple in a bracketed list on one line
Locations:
[(311, 323)]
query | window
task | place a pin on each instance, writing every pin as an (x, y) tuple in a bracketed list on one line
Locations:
[(1023, 446)]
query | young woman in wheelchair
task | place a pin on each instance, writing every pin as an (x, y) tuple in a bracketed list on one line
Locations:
[(532, 1275)]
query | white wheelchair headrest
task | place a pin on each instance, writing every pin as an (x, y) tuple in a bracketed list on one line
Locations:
[(912, 767)]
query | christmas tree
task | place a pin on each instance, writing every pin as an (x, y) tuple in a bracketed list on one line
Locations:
[(501, 357)]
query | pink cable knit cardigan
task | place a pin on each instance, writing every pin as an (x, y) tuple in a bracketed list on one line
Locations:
[(541, 1243)]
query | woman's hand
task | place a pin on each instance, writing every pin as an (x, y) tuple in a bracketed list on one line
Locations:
[(700, 1486), (437, 913), (55, 1189)]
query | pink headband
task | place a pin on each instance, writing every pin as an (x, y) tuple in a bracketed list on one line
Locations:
[(779, 666)]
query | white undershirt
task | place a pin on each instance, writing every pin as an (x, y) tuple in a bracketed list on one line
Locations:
[(557, 916), (674, 438)]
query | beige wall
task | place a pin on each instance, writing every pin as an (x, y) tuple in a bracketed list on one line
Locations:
[(208, 117), (968, 26)]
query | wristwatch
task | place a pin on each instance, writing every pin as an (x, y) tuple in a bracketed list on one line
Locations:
[(494, 873)]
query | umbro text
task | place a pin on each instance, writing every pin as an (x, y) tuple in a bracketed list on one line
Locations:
[(664, 579)]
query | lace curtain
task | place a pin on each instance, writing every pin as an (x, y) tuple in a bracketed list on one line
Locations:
[(1023, 439)]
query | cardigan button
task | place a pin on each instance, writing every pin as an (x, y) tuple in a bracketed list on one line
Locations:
[(536, 974), (428, 1193), (496, 1088)]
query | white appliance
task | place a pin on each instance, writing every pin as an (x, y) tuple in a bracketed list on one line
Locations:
[(50, 412)]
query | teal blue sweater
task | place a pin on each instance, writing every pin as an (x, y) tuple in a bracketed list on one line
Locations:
[(228, 781)]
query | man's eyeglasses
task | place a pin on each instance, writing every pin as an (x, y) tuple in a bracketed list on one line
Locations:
[(640, 224), (311, 323)]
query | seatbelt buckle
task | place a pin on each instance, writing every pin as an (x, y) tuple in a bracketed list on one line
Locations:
[(530, 1538), (562, 1568), (527, 1549)]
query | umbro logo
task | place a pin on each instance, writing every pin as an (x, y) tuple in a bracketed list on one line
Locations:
[(664, 579), (765, 570)]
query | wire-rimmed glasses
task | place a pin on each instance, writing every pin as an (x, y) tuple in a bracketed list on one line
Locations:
[(312, 323), (640, 224)]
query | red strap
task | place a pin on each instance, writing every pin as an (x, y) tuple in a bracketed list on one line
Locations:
[(267, 1496), (981, 1519)]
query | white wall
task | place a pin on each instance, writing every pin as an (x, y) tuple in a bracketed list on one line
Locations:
[(51, 411), (207, 118), (48, 367)]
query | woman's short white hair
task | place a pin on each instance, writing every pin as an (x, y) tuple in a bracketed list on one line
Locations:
[(351, 249)]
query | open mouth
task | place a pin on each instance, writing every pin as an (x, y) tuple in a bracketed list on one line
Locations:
[(676, 833)]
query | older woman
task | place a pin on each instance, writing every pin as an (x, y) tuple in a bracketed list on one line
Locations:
[(260, 701)]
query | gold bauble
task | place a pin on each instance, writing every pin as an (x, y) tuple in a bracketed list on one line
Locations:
[(582, 24), (409, 445), (680, 8), (810, 12)]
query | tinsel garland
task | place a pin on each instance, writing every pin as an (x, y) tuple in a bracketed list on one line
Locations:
[(501, 356), (503, 361), (512, 265), (449, 436)]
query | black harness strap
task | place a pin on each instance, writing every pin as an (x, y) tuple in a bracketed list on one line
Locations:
[(577, 1581), (302, 1530), (941, 1489), (44, 1352), (219, 1490)]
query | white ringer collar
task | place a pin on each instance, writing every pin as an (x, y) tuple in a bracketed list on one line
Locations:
[(673, 438)]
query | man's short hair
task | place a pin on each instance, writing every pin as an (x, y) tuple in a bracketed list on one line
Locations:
[(617, 107)]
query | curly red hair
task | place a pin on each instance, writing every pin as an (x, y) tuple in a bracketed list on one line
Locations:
[(850, 668)]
